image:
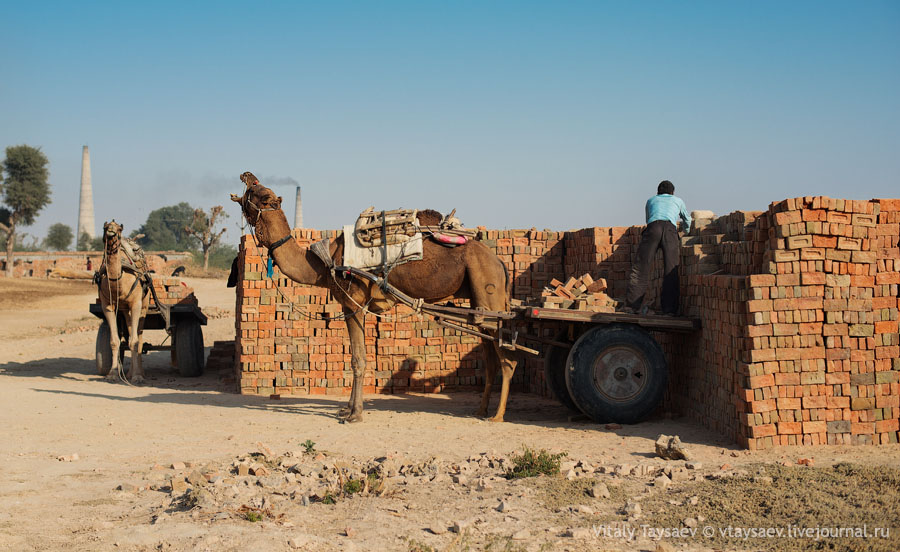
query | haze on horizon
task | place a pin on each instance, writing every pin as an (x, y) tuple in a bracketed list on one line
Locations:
[(517, 114)]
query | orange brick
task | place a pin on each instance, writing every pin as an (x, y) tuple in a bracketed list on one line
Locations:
[(789, 428), (815, 427), (862, 428), (817, 401)]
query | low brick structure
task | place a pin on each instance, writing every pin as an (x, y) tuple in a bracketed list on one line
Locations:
[(39, 264), (799, 308)]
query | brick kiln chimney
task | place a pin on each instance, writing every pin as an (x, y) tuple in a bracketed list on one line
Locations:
[(298, 212), (86, 202)]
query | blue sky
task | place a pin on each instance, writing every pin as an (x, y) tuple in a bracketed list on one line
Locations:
[(518, 114)]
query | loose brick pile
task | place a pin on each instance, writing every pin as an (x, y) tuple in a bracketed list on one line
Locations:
[(583, 293), (172, 291), (798, 303)]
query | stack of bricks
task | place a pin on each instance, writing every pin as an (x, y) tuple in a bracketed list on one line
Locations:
[(173, 291), (798, 304), (815, 345), (582, 293)]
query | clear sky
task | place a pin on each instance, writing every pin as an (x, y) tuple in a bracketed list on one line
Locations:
[(518, 114)]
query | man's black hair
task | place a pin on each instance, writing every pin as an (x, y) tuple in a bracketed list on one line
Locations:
[(665, 187)]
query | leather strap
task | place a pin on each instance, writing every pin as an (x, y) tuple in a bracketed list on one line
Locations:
[(278, 244)]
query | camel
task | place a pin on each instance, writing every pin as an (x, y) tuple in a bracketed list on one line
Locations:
[(122, 290), (471, 271)]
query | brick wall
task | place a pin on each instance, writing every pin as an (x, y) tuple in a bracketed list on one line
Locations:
[(39, 264), (799, 307)]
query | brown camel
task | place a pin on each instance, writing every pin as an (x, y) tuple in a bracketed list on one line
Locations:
[(122, 290), (471, 271)]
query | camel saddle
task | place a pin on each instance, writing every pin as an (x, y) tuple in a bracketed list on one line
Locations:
[(377, 228), (133, 259), (400, 225)]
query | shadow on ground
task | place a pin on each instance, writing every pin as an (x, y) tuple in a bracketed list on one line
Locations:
[(165, 386)]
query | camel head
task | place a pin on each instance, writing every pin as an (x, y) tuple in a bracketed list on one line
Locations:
[(112, 233), (257, 199)]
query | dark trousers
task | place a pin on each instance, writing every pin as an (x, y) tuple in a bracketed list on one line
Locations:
[(660, 234)]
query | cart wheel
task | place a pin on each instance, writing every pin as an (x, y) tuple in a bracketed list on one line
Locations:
[(189, 347), (103, 351), (555, 372), (616, 373)]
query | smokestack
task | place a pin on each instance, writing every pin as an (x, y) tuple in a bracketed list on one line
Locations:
[(86, 202), (298, 211)]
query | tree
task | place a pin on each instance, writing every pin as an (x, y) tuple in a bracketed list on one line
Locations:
[(59, 237), (87, 243), (25, 192), (165, 229), (203, 228)]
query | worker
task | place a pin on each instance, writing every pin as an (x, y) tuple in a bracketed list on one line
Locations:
[(663, 213)]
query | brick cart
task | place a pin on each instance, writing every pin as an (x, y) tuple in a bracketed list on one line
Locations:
[(607, 365), (173, 308)]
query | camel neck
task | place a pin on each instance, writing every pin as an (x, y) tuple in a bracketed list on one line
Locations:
[(113, 263), (299, 264)]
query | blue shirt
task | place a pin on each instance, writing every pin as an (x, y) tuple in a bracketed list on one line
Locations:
[(670, 208)]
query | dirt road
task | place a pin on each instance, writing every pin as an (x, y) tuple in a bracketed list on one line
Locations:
[(183, 464)]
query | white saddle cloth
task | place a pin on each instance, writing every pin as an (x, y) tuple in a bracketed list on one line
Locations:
[(357, 256)]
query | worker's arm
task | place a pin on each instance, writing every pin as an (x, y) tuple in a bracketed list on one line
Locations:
[(685, 217)]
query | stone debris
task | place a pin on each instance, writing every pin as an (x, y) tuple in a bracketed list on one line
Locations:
[(599, 490), (632, 508), (437, 529), (68, 458), (178, 465), (459, 526), (693, 465), (671, 448), (662, 481)]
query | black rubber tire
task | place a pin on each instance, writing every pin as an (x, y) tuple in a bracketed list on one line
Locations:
[(103, 352), (616, 373), (189, 351), (555, 373)]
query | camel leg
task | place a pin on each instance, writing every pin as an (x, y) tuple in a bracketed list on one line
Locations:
[(356, 328), (490, 370), (489, 286), (110, 315), (136, 374), (508, 367)]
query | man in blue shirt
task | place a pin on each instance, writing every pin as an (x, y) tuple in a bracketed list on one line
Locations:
[(663, 212)]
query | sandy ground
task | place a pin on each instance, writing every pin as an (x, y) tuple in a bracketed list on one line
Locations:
[(55, 407)]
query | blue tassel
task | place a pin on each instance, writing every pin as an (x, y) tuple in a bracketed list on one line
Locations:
[(269, 268)]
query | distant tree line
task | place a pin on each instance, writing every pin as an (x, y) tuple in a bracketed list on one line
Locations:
[(25, 190)]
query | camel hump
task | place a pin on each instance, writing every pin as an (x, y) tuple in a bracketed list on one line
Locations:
[(134, 258), (430, 217)]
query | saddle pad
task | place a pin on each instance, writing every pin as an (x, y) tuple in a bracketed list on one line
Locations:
[(132, 256), (358, 256)]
